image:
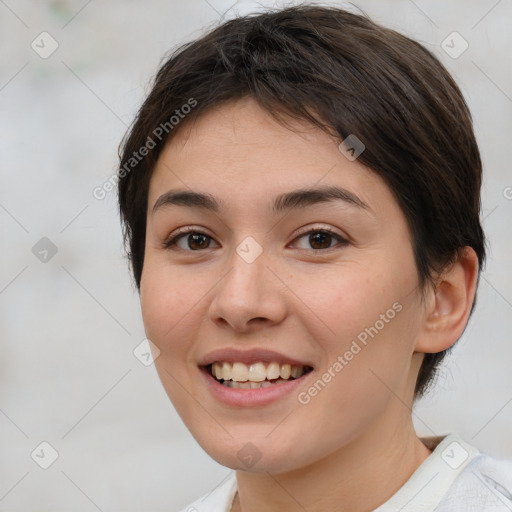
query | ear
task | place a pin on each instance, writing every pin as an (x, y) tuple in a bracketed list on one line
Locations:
[(447, 307)]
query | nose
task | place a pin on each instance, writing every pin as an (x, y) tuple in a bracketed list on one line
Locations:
[(251, 295)]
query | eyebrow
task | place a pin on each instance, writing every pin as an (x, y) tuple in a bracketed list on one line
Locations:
[(288, 201)]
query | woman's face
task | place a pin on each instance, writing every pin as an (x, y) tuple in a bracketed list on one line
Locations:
[(262, 276)]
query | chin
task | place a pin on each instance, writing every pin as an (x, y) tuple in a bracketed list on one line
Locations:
[(257, 456)]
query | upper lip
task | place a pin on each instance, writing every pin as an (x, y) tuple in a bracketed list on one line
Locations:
[(255, 355)]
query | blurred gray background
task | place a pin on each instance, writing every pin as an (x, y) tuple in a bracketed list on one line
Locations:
[(70, 318)]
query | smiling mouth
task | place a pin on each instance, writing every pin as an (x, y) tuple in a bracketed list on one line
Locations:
[(257, 375)]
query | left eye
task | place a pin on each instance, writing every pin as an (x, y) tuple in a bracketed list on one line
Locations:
[(320, 236), (317, 237)]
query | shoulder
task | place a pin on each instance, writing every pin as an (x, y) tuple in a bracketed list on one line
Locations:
[(456, 477), (219, 499), (484, 484)]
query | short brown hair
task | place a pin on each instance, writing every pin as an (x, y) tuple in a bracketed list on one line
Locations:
[(342, 72)]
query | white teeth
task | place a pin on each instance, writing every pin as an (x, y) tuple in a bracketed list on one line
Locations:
[(239, 372), (226, 371), (273, 370), (256, 372), (251, 385), (286, 371)]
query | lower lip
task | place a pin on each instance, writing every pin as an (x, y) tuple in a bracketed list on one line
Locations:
[(251, 397)]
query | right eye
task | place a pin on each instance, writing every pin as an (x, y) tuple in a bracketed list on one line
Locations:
[(193, 237)]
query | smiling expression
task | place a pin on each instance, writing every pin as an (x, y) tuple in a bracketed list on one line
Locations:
[(270, 265)]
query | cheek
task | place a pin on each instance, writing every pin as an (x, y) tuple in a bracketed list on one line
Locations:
[(168, 315), (155, 301), (165, 303), (365, 322), (347, 300)]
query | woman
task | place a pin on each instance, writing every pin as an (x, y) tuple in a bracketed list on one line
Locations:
[(300, 198)]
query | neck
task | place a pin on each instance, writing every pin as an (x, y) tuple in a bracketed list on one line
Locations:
[(361, 475)]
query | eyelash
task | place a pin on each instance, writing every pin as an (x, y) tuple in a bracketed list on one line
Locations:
[(170, 243)]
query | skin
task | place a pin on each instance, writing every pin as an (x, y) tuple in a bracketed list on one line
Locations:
[(353, 445)]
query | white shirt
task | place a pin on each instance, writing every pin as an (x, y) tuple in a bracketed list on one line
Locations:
[(456, 477)]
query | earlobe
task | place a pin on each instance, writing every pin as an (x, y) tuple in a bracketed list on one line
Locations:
[(450, 305)]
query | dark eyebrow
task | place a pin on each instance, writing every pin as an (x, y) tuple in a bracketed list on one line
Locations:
[(284, 202)]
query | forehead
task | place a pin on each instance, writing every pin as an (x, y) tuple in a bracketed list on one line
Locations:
[(239, 152), (242, 128)]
